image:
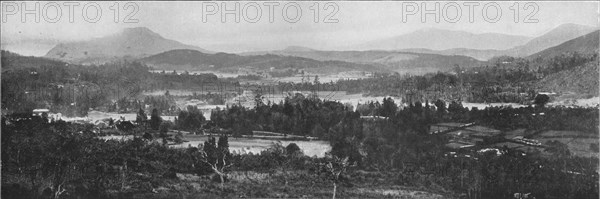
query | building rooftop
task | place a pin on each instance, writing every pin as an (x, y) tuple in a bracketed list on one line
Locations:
[(459, 145), (463, 129)]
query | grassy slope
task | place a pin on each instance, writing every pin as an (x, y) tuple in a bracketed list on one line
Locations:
[(581, 80)]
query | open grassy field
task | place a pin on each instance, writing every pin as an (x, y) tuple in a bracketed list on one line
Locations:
[(246, 145), (579, 143)]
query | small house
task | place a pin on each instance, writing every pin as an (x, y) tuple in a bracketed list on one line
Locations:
[(39, 112)]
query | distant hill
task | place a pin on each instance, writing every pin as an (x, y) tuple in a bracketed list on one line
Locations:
[(349, 56), (288, 51), (440, 39), (196, 60), (428, 63), (587, 44), (402, 62), (12, 61), (131, 43), (481, 55), (552, 38)]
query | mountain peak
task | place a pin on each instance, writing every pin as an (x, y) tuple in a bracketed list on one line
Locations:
[(139, 31)]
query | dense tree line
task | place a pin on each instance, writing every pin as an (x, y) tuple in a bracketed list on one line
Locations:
[(306, 116), (212, 98), (298, 115), (190, 119), (165, 104), (70, 157)]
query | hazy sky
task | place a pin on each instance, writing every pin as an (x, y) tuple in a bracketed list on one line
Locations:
[(357, 22)]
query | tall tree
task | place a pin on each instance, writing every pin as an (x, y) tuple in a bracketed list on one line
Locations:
[(155, 119), (440, 106), (141, 117), (388, 107), (541, 100)]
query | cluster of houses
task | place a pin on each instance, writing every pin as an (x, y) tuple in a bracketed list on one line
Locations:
[(248, 70), (464, 135), (47, 113)]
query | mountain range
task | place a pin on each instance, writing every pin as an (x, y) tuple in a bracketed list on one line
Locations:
[(184, 59), (426, 50), (131, 43), (551, 38), (403, 62), (440, 39), (518, 46)]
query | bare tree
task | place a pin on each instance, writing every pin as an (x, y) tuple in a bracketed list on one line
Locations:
[(215, 157), (335, 168), (218, 166)]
